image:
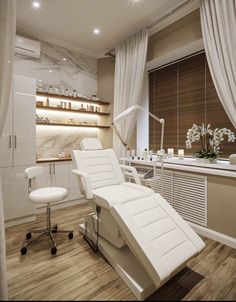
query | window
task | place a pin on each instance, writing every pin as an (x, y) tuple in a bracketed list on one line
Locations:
[(183, 93)]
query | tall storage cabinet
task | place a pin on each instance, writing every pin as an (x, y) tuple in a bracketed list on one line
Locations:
[(18, 147)]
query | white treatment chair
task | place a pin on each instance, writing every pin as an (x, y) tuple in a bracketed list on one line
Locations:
[(140, 234)]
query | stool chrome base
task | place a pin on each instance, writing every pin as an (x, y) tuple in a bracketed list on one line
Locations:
[(48, 231)]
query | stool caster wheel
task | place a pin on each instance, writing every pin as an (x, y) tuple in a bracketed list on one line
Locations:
[(23, 250), (70, 235), (53, 250), (55, 229), (28, 235)]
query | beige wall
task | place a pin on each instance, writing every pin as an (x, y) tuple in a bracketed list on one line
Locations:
[(222, 205), (180, 33), (106, 71)]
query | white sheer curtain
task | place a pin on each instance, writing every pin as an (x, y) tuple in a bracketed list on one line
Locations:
[(218, 21), (129, 74), (7, 38)]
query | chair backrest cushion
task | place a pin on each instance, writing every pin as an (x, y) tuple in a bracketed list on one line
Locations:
[(90, 143), (32, 172), (101, 166)]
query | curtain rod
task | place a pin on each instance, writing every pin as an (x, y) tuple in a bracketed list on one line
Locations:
[(109, 53)]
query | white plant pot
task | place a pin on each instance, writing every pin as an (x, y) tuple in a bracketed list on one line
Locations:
[(208, 161)]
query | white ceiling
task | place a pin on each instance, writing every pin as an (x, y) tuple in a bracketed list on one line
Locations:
[(70, 22)]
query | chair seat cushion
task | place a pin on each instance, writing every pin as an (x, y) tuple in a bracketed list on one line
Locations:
[(47, 195), (118, 194)]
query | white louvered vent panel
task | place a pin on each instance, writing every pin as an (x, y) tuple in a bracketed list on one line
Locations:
[(155, 184), (190, 197)]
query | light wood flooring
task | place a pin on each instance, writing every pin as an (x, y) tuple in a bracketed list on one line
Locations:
[(76, 273)]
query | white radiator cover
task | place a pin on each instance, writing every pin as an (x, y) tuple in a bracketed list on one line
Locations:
[(187, 193)]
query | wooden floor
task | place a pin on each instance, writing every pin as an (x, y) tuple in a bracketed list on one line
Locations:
[(76, 273)]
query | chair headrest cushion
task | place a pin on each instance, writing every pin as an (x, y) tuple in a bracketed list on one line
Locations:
[(90, 143)]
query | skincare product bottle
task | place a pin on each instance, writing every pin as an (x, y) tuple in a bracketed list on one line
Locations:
[(47, 102), (62, 91), (132, 153), (128, 153), (74, 93), (142, 154), (150, 155), (145, 154), (66, 92), (138, 153), (50, 89), (69, 105)]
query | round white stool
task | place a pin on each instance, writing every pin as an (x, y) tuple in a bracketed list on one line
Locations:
[(45, 196)]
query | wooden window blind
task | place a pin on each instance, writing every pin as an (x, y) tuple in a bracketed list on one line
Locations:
[(183, 93)]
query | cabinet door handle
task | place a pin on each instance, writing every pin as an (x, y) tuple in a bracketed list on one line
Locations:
[(9, 142), (54, 168), (15, 141), (50, 169)]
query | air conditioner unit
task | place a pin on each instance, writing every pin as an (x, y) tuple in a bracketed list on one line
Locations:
[(27, 47)]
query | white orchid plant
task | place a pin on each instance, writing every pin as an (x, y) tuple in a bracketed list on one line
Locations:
[(210, 140)]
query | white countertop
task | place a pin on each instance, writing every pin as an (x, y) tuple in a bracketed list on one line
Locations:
[(221, 168)]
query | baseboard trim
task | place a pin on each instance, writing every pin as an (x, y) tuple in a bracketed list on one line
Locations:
[(61, 205), (224, 239), (17, 221)]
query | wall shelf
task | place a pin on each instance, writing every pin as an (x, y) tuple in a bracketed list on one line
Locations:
[(76, 99), (72, 125), (71, 110)]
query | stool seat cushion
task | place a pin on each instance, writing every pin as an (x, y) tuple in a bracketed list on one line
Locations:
[(47, 195)]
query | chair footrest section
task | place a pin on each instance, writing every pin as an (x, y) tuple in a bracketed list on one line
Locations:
[(126, 265)]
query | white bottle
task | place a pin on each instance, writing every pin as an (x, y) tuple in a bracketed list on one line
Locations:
[(133, 153), (138, 153), (128, 153), (150, 155), (145, 154), (74, 93)]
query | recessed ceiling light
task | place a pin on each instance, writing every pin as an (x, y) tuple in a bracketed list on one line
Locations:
[(40, 80), (64, 59), (50, 71), (96, 31), (36, 4)]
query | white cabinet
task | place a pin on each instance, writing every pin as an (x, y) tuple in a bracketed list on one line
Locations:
[(74, 184), (6, 147), (56, 174), (18, 148), (44, 180), (18, 143), (15, 193), (59, 174)]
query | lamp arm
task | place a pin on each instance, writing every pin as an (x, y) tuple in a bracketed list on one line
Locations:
[(128, 112), (118, 133), (162, 122)]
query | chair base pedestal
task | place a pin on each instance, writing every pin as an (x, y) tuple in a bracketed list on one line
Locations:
[(126, 265), (45, 232)]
